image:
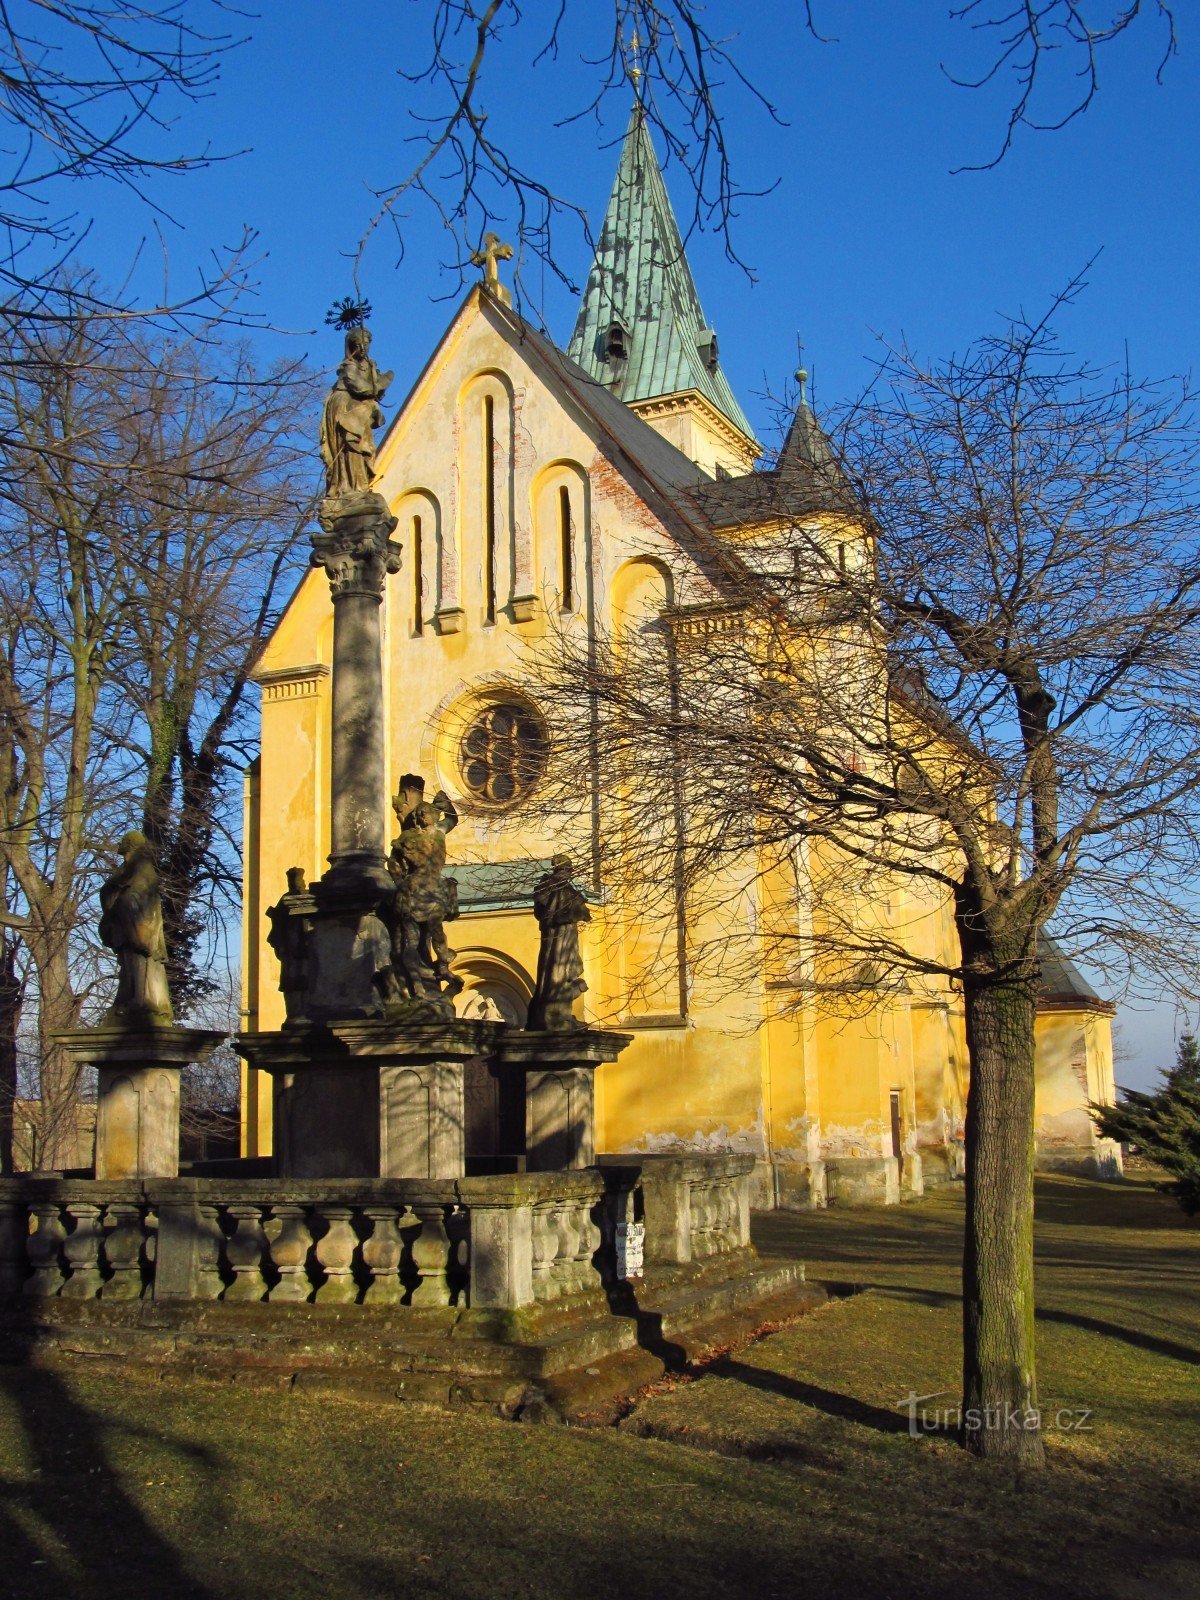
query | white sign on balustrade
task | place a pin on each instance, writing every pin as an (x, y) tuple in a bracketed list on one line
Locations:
[(630, 1248)]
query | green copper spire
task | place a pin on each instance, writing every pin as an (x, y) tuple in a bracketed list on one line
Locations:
[(640, 330)]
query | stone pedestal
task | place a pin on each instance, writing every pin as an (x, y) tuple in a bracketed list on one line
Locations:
[(369, 1099), (137, 1093), (560, 1107)]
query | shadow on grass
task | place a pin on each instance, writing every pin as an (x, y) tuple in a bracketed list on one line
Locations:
[(937, 1298), (846, 1407), (62, 1524)]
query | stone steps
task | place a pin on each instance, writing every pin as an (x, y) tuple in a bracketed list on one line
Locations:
[(571, 1358)]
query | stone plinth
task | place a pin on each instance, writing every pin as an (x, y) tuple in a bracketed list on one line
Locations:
[(369, 1099), (560, 1100), (137, 1093), (863, 1180), (344, 955)]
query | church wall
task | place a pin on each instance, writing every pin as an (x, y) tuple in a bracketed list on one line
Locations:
[(287, 823), (1073, 1066), (512, 517)]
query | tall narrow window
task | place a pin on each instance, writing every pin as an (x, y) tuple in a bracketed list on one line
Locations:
[(489, 508), (418, 578), (564, 547)]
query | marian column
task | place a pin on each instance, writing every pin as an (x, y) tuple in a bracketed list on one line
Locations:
[(356, 551), (357, 554)]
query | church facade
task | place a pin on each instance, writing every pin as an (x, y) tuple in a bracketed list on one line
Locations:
[(535, 488)]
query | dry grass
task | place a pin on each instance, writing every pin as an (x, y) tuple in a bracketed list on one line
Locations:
[(778, 1472)]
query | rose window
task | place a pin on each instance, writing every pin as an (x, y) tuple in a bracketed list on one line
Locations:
[(503, 753)]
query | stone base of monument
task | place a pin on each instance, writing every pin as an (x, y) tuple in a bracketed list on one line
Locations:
[(523, 1292), (369, 1098), (559, 1071), (137, 1093), (343, 961)]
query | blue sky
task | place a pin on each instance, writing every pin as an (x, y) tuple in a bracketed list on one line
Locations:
[(867, 233)]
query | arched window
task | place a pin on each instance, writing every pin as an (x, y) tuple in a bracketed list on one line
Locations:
[(560, 506), (418, 574), (489, 508), (565, 556)]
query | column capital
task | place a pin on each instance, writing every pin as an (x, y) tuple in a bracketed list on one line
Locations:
[(354, 545)]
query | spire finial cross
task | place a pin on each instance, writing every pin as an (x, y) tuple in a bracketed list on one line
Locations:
[(493, 250), (801, 371), (634, 58)]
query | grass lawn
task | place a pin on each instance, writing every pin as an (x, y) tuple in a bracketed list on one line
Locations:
[(784, 1470)]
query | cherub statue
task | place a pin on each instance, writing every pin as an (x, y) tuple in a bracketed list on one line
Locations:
[(410, 794), (131, 925), (560, 908), (423, 901)]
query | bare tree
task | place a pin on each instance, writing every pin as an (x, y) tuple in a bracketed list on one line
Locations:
[(91, 89), (151, 495), (210, 1106), (1046, 54), (943, 684)]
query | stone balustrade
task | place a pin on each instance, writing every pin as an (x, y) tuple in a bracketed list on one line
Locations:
[(499, 1241), (694, 1206)]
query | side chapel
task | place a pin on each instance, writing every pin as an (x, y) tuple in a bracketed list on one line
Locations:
[(591, 483)]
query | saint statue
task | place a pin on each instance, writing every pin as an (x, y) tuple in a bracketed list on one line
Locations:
[(423, 901), (289, 937), (350, 417), (131, 925), (560, 908)]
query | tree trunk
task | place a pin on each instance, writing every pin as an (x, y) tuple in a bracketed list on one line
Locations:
[(10, 1021), (1000, 1411), (58, 1009)]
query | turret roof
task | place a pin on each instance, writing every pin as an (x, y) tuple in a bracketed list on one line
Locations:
[(641, 284)]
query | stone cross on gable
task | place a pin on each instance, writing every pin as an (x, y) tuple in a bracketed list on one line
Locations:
[(492, 251)]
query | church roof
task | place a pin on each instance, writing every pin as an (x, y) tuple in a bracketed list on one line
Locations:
[(806, 477), (663, 468), (807, 450), (641, 285), (1060, 976)]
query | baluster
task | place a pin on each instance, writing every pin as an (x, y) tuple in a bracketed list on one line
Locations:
[(716, 1217), (729, 1222), (44, 1248), (14, 1239), (566, 1223), (382, 1253), (210, 1243), (458, 1226), (289, 1238), (123, 1252), (589, 1242), (712, 1227), (545, 1248), (701, 1221), (244, 1252), (335, 1252), (431, 1258), (733, 1214), (82, 1250)]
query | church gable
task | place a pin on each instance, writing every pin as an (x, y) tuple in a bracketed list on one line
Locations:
[(520, 484)]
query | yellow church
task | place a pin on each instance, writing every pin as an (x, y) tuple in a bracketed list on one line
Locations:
[(534, 486)]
